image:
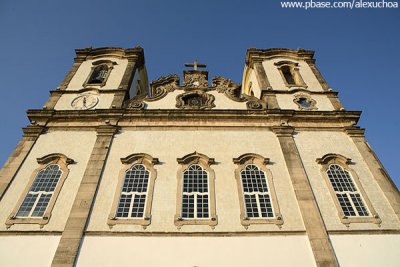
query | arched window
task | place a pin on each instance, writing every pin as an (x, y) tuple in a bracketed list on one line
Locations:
[(287, 74), (195, 196), (290, 74), (347, 192), (196, 191), (41, 191), (258, 202), (98, 75), (132, 199), (38, 199), (100, 72), (134, 195), (349, 197), (256, 194)]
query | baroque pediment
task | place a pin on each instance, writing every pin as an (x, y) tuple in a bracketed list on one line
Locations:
[(195, 92)]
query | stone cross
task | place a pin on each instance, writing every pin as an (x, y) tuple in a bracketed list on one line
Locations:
[(195, 65)]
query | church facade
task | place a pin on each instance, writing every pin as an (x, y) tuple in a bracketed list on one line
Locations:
[(115, 170)]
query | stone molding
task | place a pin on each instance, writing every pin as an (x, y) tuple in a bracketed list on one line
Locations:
[(254, 55), (311, 102), (56, 158), (261, 163), (299, 82), (205, 162), (229, 88), (110, 66), (128, 162), (195, 100), (167, 84), (136, 53), (161, 87)]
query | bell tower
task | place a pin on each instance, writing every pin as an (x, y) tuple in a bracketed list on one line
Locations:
[(101, 78)]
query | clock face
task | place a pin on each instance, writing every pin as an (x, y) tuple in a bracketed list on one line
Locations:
[(86, 101)]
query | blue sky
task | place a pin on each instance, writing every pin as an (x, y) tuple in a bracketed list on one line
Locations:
[(356, 51)]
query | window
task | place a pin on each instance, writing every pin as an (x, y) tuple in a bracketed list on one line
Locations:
[(39, 194), (196, 191), (258, 202), (133, 198), (37, 202), (287, 74), (305, 102), (290, 74), (100, 72), (350, 199)]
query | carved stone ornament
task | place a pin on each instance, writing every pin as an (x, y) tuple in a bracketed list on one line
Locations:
[(196, 79), (229, 88), (195, 100), (305, 102), (254, 103), (161, 87), (136, 104)]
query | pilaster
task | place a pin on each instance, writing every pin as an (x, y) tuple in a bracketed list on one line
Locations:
[(317, 73), (337, 105), (55, 95), (263, 81), (18, 156), (382, 178), (71, 239), (320, 244), (126, 81)]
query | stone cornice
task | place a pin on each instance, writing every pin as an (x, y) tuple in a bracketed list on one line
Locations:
[(136, 53), (256, 55), (296, 90), (126, 118), (354, 131)]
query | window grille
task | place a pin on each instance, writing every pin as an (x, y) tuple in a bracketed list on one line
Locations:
[(195, 197), (346, 192), (132, 199), (40, 193), (256, 193)]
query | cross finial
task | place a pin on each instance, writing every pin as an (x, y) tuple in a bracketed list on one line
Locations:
[(195, 65)]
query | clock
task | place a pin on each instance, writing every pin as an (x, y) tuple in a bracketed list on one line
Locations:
[(86, 101)]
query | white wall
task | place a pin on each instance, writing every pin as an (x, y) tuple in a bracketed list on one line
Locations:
[(276, 80), (221, 101), (316, 144), (113, 81), (367, 250), (64, 103), (168, 145), (76, 145), (25, 250), (188, 251), (285, 101)]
